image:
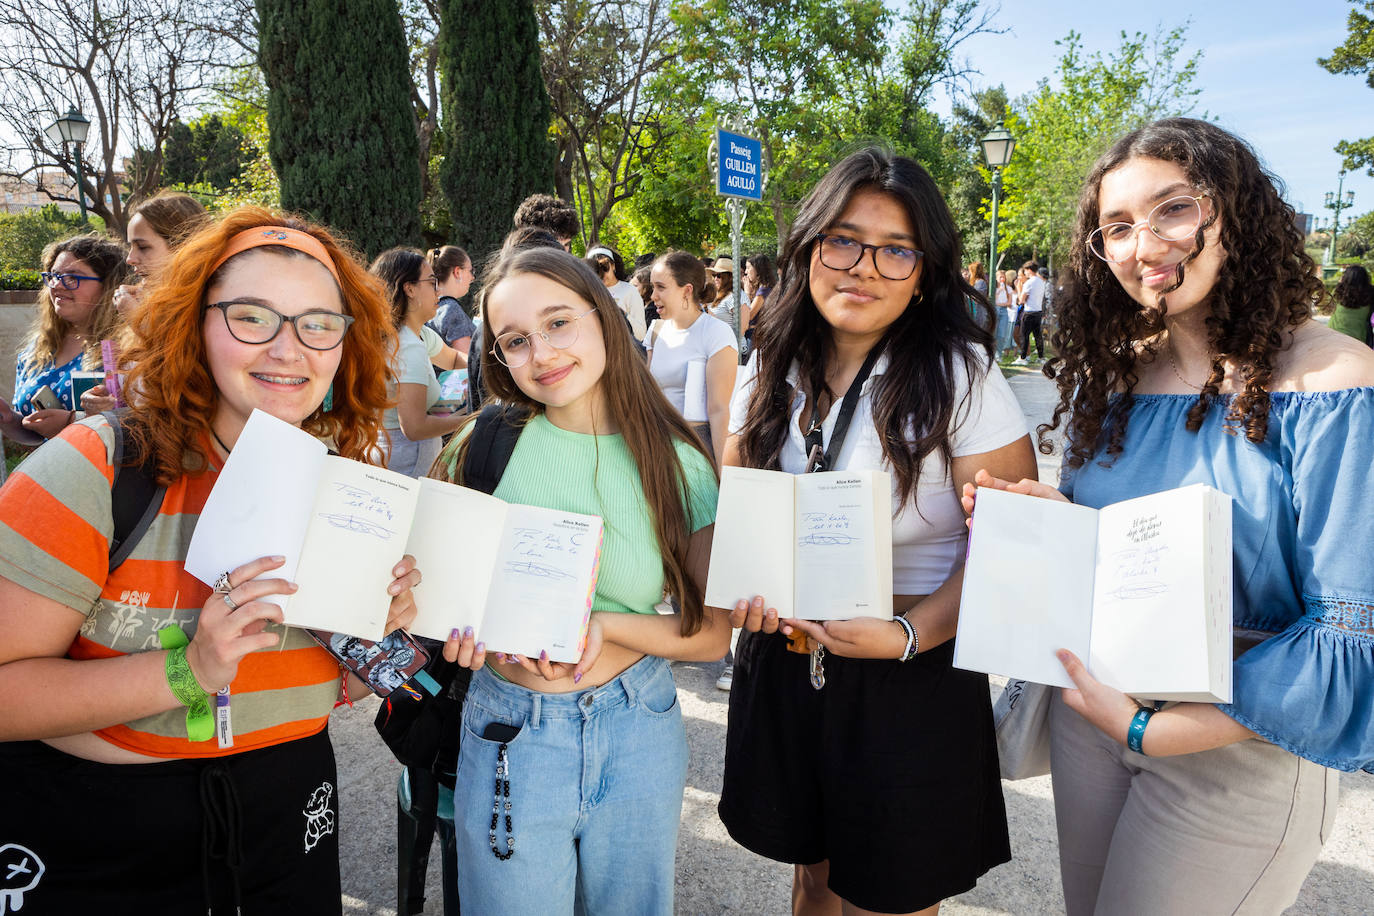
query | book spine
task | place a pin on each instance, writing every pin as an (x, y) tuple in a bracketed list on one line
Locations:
[(591, 593)]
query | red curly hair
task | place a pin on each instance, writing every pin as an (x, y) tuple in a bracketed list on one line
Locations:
[(176, 395)]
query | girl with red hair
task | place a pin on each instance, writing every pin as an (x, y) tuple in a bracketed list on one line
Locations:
[(107, 674)]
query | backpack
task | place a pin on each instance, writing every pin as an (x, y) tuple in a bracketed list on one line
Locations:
[(420, 725), (135, 494)]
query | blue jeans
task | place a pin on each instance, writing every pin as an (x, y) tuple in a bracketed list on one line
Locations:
[(1003, 331), (596, 783)]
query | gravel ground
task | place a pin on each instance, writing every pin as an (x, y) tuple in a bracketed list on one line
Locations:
[(716, 876)]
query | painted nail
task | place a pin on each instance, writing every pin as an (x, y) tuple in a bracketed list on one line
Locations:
[(481, 647), (742, 605), (577, 678), (453, 634), (467, 632), (501, 657), (543, 655)]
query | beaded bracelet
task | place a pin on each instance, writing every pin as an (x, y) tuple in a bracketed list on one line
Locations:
[(1135, 735), (913, 644)]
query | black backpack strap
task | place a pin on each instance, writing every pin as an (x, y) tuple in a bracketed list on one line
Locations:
[(494, 435), (135, 496)]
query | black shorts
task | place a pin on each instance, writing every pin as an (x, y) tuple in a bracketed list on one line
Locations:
[(889, 772), (179, 837)]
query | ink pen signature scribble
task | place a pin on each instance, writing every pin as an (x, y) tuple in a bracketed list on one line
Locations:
[(536, 570), (357, 525), (829, 539), (1135, 591), (350, 491)]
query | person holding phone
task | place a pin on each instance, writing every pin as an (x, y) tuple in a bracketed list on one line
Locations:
[(589, 759), (119, 777), (1187, 353), (75, 313), (866, 759)]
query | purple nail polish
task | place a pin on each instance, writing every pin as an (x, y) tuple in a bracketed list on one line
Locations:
[(453, 634), (577, 678), (481, 647), (467, 633), (501, 657), (543, 655)]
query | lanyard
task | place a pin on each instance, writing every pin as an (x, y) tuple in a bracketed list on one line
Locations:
[(818, 457)]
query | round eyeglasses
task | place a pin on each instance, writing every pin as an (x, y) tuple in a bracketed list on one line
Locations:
[(1174, 220), (893, 262), (514, 348), (66, 281), (251, 323)]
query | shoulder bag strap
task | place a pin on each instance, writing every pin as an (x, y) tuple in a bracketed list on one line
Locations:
[(818, 456)]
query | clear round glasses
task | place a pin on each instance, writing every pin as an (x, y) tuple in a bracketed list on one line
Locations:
[(1173, 220), (894, 262), (252, 323), (514, 348)]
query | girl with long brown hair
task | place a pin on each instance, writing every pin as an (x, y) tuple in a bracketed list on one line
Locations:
[(599, 762), (119, 779), (1187, 353)]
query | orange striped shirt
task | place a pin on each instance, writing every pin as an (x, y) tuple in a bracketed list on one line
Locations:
[(55, 526)]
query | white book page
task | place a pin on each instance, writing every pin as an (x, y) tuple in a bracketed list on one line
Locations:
[(836, 552), (1028, 587), (357, 535), (455, 571), (1149, 635), (260, 505), (1220, 620), (752, 546), (542, 585), (694, 392)]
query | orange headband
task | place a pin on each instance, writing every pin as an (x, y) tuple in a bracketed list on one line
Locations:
[(259, 236)]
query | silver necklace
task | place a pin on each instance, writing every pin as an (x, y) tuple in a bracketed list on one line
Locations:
[(1174, 365)]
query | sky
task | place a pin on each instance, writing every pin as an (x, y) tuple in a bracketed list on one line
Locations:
[(1258, 75)]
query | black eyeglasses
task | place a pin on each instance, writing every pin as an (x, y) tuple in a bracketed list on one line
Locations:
[(251, 323), (893, 262), (66, 281)]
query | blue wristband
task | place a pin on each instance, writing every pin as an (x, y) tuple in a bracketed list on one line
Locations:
[(1135, 735)]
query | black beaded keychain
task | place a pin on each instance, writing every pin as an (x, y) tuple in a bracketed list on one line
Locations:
[(502, 799)]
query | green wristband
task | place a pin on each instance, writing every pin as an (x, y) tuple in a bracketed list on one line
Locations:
[(200, 725)]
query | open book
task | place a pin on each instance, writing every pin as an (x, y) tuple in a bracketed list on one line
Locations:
[(524, 580), (1139, 590), (815, 546)]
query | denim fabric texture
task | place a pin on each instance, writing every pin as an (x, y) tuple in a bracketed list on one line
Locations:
[(596, 784)]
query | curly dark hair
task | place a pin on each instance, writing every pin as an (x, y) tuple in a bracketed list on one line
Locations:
[(1266, 284), (914, 400), (1354, 290), (544, 211)]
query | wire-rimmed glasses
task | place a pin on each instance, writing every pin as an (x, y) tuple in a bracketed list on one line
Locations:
[(253, 323), (514, 348), (1173, 220)]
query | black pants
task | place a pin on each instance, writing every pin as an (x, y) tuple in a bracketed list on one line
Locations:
[(1030, 324), (259, 829)]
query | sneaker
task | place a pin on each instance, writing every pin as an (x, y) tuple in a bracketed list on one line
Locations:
[(1020, 361), (726, 677)]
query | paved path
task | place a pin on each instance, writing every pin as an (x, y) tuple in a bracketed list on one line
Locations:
[(715, 876)]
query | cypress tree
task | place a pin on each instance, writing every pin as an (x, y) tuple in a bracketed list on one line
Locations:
[(340, 116), (497, 148)]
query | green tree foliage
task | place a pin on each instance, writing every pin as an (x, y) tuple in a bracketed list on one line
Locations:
[(208, 151), (342, 134), (970, 195), (1356, 57), (1061, 129), (24, 235), (497, 149)]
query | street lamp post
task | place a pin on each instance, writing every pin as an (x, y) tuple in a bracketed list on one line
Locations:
[(997, 149), (72, 127), (1336, 203)]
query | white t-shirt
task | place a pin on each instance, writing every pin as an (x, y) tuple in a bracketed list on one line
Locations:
[(632, 304), (411, 367), (1035, 294), (928, 533), (724, 310), (1004, 297), (675, 350)]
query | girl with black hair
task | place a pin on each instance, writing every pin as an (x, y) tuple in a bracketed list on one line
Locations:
[(1354, 304), (881, 786), (1187, 354)]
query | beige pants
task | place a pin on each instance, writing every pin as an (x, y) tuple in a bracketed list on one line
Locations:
[(1233, 830)]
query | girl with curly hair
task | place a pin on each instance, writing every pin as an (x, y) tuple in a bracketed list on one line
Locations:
[(118, 778), (1187, 353), (871, 302), (1354, 304)]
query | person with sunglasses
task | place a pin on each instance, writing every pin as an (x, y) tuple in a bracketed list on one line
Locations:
[(412, 436), (866, 759), (75, 313), (591, 757), (127, 793), (1187, 353)]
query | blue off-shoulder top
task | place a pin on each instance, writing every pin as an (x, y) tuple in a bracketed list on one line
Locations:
[(1303, 541)]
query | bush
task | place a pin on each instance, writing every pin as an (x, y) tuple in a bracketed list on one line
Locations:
[(23, 236), (20, 279)]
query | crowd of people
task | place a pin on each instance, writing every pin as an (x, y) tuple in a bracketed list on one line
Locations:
[(1185, 351)]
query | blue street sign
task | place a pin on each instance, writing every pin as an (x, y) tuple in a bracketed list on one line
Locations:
[(739, 163)]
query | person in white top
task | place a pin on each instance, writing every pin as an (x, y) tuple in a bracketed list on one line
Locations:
[(1004, 298), (692, 355), (411, 436), (611, 270), (724, 305), (1032, 300), (883, 781)]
